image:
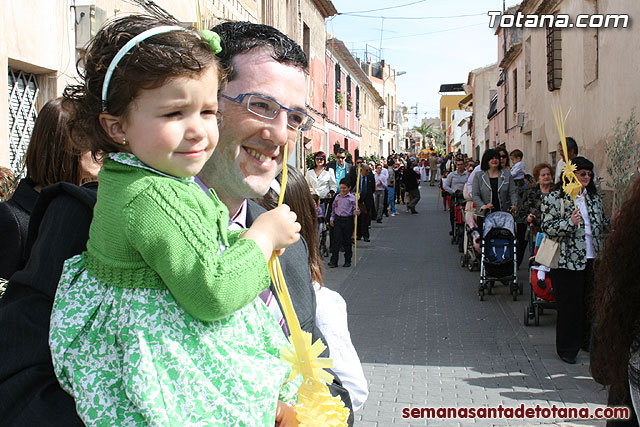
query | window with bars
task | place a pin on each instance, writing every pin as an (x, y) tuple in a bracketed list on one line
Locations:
[(554, 58), (358, 101), (23, 92)]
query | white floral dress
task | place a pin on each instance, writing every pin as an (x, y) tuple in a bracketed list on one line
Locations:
[(134, 357)]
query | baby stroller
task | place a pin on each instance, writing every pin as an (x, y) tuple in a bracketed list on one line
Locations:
[(471, 241), (497, 262), (541, 287)]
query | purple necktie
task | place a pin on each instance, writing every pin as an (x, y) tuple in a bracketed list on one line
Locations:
[(271, 303)]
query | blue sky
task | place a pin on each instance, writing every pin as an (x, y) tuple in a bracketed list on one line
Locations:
[(442, 49)]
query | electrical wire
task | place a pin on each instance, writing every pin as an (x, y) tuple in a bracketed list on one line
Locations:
[(411, 17), (421, 34), (383, 8)]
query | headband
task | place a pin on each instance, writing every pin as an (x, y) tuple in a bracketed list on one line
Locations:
[(211, 37)]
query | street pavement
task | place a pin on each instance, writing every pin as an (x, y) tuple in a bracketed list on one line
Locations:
[(425, 339)]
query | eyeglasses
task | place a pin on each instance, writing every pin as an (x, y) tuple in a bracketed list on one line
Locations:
[(503, 156), (268, 108), (320, 158), (585, 173), (341, 157)]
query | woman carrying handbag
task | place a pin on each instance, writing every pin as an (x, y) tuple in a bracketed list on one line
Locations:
[(579, 230)]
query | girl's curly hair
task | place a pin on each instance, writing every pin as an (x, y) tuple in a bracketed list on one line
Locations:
[(617, 298), (147, 66)]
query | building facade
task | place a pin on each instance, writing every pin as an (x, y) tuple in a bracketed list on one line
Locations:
[(588, 71), (42, 41), (481, 83)]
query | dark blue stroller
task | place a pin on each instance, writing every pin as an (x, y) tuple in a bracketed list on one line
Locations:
[(497, 261)]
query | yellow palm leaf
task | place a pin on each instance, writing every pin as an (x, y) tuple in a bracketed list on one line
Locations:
[(570, 183), (316, 407)]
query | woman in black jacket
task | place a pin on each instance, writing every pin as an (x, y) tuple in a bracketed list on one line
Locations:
[(49, 159)]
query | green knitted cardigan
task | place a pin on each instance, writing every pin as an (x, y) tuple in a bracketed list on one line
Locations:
[(151, 230)]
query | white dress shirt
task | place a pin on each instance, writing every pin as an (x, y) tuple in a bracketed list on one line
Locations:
[(322, 184), (331, 319), (581, 201)]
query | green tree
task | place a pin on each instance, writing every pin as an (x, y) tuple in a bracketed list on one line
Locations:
[(428, 131), (623, 155), (424, 130)]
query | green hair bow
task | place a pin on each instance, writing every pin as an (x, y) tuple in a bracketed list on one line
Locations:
[(214, 40)]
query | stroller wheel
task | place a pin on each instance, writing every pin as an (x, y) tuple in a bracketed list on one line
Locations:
[(536, 320), (540, 310), (520, 288), (489, 288), (463, 260), (481, 295), (471, 265), (526, 316)]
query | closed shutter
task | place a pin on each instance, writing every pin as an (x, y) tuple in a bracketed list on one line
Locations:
[(23, 92)]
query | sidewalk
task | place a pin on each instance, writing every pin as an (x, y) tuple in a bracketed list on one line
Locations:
[(425, 339)]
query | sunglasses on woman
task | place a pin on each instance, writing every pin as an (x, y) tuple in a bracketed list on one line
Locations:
[(584, 174)]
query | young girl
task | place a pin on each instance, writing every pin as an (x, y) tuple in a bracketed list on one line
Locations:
[(157, 322)]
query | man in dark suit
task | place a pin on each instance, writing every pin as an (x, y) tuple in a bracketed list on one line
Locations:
[(247, 159), (343, 169), (250, 152), (365, 203)]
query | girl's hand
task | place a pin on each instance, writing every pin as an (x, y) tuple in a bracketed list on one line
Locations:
[(274, 230), (285, 415), (487, 206), (576, 218)]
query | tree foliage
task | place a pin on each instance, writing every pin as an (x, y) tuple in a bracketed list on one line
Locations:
[(623, 155)]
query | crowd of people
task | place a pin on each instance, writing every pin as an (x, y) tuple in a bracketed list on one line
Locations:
[(595, 285), (349, 196)]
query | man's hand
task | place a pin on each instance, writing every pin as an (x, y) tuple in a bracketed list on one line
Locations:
[(487, 206), (331, 223), (285, 415), (530, 218), (357, 211)]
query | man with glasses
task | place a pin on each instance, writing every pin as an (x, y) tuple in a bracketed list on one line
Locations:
[(249, 155), (343, 169), (263, 110)]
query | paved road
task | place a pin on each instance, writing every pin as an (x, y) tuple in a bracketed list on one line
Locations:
[(425, 339)]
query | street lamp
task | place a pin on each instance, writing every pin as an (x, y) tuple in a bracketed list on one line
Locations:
[(384, 86)]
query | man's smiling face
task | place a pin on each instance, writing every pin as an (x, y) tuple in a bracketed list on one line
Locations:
[(250, 151)]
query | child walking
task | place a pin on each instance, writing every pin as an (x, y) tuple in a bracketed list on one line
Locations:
[(342, 220), (157, 322)]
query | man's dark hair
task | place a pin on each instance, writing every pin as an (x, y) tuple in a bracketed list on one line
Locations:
[(340, 151), (572, 145), (241, 37), (488, 155)]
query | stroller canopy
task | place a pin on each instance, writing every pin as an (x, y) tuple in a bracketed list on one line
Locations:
[(499, 220)]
